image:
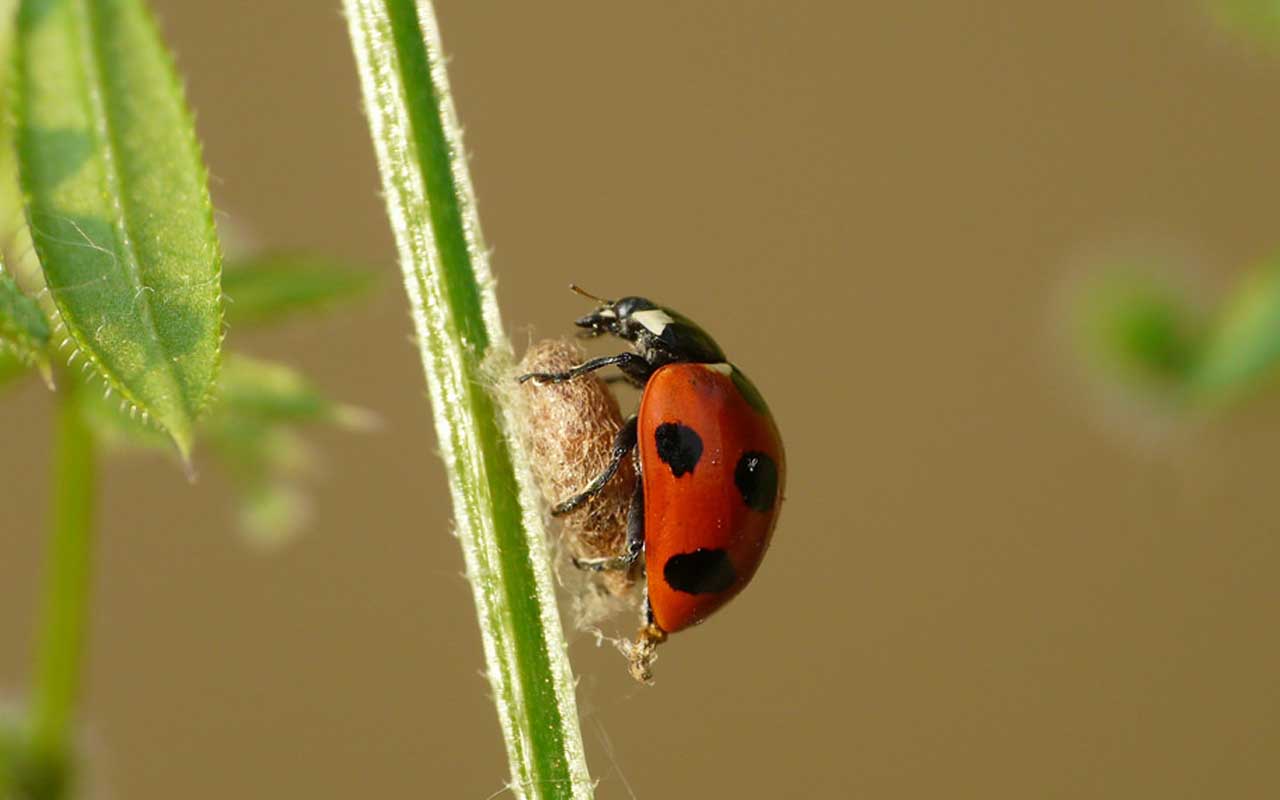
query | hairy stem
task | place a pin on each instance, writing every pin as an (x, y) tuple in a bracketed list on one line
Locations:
[(432, 208)]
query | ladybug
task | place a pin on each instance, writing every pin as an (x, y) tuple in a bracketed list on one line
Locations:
[(710, 463)]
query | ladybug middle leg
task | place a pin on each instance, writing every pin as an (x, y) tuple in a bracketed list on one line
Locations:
[(635, 539), (623, 444)]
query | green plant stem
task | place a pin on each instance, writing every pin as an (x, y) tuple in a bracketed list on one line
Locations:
[(498, 516), (65, 613)]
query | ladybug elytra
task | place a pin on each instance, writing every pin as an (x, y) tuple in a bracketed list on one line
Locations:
[(710, 463)]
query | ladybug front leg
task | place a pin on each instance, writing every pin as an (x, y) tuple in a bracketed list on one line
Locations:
[(635, 539), (633, 366), (623, 443)]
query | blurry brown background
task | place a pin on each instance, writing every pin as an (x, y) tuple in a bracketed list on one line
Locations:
[(984, 584)]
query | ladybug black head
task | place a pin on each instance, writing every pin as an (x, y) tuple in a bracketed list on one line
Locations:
[(616, 318), (660, 335)]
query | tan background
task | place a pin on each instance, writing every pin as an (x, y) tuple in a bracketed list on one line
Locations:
[(982, 586)]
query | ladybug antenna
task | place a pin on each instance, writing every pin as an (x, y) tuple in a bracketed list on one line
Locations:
[(578, 290)]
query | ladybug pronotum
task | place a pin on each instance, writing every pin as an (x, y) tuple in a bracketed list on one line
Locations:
[(710, 463)]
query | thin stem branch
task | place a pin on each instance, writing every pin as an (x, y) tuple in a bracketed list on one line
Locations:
[(66, 607)]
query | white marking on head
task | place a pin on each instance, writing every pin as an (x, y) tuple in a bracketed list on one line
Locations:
[(607, 313), (723, 368), (654, 319)]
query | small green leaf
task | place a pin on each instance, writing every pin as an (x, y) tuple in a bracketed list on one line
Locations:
[(273, 513), (267, 464), (261, 390), (255, 402), (118, 203), (267, 288), (10, 197), (253, 450), (16, 249), (1244, 347), (1258, 19), (11, 367), (250, 430), (24, 332), (1139, 329)]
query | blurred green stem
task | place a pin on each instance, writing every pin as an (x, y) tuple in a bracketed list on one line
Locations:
[(65, 612)]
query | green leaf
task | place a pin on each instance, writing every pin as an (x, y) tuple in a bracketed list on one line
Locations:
[(1139, 328), (267, 463), (270, 287), (24, 332), (254, 397), (10, 198), (1243, 348), (118, 203), (273, 513), (261, 390), (16, 249), (250, 431), (1258, 19), (11, 367)]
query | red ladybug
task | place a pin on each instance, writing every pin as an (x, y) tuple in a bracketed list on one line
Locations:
[(711, 463)]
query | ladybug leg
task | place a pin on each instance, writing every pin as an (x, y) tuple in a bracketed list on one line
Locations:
[(632, 365), (623, 444), (635, 540), (635, 522)]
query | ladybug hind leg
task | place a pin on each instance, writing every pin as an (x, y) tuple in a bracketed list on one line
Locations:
[(635, 540), (623, 443)]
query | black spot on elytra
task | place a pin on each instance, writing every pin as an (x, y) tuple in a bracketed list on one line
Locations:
[(679, 447), (756, 477), (700, 572)]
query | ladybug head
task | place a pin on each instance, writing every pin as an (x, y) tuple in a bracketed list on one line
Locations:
[(659, 334), (617, 318)]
